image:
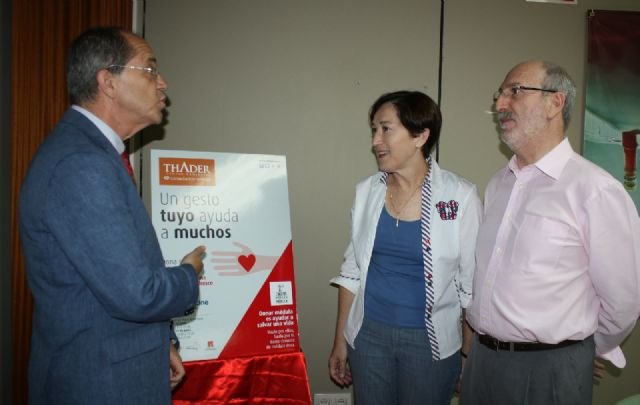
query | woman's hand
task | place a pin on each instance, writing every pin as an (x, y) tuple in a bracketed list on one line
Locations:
[(338, 366)]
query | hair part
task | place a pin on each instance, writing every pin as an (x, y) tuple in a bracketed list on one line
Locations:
[(92, 51), (558, 79), (417, 112)]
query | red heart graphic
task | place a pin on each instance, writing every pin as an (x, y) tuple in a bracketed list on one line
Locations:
[(247, 262)]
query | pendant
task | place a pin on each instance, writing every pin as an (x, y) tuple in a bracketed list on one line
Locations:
[(396, 222)]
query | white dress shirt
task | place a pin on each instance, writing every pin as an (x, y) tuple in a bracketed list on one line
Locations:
[(557, 255)]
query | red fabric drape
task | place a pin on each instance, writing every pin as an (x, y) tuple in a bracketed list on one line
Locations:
[(279, 379)]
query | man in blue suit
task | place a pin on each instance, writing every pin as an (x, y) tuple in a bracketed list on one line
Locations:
[(103, 296)]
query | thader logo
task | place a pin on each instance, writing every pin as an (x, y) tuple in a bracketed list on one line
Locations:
[(187, 172)]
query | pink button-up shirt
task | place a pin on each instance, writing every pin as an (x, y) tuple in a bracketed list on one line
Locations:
[(558, 255)]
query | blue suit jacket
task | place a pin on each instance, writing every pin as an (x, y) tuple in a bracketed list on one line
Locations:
[(103, 296)]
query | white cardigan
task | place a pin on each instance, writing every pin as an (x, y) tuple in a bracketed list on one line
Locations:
[(453, 252)]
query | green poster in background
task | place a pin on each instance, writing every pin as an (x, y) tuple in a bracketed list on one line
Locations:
[(612, 116)]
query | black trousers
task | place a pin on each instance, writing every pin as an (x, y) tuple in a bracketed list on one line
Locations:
[(562, 376)]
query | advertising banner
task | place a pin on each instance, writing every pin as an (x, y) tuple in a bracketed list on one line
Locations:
[(237, 205)]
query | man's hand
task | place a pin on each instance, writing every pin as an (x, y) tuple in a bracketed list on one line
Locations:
[(598, 369), (176, 369), (195, 259)]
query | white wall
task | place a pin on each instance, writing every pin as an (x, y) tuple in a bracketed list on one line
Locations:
[(297, 78), (294, 78)]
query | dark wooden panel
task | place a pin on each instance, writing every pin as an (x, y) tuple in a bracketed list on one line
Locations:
[(41, 33)]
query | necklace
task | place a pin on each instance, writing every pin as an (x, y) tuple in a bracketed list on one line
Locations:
[(399, 212)]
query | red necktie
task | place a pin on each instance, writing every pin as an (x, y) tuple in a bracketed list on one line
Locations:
[(127, 164)]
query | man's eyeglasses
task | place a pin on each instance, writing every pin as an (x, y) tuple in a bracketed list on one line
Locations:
[(514, 91), (151, 70)]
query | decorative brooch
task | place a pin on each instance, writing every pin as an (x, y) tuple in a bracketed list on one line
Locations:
[(448, 210)]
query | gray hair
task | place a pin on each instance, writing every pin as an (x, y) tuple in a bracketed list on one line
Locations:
[(93, 50), (558, 79)]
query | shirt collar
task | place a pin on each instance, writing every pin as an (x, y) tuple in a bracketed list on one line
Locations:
[(550, 164), (105, 129)]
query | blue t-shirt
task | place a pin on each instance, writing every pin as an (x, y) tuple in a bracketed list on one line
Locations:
[(395, 291)]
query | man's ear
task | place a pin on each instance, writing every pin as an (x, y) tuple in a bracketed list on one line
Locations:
[(556, 103), (106, 83)]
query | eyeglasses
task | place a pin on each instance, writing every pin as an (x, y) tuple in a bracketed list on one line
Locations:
[(151, 70), (514, 91)]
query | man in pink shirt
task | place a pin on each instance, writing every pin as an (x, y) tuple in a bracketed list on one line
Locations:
[(558, 256)]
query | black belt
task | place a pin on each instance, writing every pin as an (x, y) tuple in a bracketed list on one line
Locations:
[(495, 344)]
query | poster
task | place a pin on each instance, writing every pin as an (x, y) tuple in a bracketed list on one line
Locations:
[(237, 205), (612, 119)]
